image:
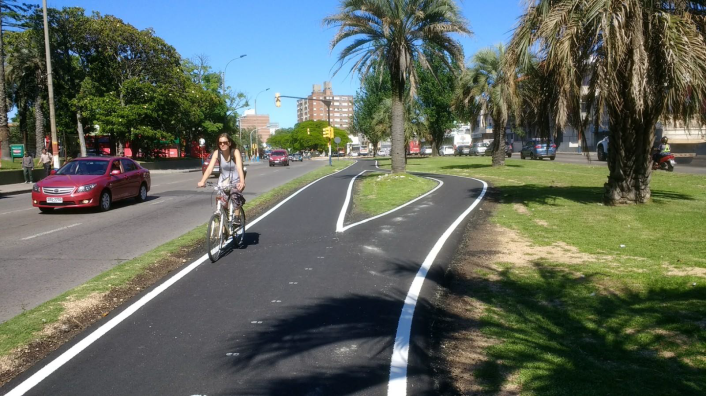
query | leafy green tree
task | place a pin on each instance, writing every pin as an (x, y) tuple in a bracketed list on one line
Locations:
[(393, 34), (371, 106), (435, 94), (637, 61), (483, 90), (9, 10)]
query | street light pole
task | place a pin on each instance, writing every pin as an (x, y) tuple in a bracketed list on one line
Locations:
[(223, 80), (50, 85), (326, 102), (256, 100)]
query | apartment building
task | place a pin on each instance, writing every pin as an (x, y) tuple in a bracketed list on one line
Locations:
[(261, 122), (312, 108)]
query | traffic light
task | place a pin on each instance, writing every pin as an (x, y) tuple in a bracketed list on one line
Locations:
[(277, 99), (325, 132), (307, 131), (331, 132)]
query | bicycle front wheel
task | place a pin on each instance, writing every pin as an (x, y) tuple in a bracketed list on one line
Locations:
[(239, 227), (214, 237)]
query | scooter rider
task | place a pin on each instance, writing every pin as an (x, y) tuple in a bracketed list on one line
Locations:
[(663, 149)]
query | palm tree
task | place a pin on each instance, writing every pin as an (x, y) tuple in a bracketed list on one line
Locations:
[(27, 70), (483, 90), (630, 62), (393, 34)]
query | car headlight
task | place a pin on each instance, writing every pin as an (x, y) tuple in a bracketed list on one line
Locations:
[(35, 188), (86, 188)]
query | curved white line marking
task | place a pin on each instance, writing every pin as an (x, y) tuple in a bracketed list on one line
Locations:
[(40, 375), (340, 228), (397, 383), (342, 214)]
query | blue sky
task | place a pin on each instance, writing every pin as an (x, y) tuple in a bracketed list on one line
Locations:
[(286, 44)]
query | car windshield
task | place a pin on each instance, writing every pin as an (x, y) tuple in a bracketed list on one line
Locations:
[(278, 153), (84, 167)]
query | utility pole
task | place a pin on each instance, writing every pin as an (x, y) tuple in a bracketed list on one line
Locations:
[(50, 85), (324, 101)]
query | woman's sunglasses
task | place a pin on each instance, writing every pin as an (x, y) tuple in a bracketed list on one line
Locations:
[(223, 143)]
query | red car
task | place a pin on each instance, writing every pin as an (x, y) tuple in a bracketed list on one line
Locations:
[(279, 156), (205, 164), (92, 182)]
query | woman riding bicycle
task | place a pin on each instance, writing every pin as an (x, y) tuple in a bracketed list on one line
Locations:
[(231, 178)]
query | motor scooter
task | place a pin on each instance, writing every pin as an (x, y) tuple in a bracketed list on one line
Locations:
[(665, 163)]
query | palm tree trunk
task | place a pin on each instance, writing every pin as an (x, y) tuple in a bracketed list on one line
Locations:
[(629, 160), (397, 136), (82, 139), (38, 124), (4, 127), (499, 147)]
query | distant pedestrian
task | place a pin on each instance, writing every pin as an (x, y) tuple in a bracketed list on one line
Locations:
[(46, 160), (27, 167)]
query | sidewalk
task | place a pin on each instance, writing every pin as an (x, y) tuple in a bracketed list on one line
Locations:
[(15, 188)]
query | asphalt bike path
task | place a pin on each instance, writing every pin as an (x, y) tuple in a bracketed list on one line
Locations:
[(302, 309)]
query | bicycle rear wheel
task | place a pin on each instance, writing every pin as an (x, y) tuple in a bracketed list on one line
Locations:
[(214, 237), (238, 227)]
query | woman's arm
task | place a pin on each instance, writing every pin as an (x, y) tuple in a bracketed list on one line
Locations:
[(209, 170), (239, 167)]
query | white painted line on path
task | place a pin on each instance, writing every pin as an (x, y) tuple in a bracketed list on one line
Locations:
[(342, 214), (12, 212), (51, 231), (397, 383), (40, 375)]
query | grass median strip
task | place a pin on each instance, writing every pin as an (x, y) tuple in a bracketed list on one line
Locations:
[(559, 294), (31, 335), (377, 192)]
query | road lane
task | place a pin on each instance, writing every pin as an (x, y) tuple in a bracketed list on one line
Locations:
[(37, 266)]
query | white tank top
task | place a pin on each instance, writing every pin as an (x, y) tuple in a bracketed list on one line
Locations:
[(228, 169)]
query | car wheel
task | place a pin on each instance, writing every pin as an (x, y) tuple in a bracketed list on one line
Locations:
[(552, 157), (46, 210), (104, 202), (522, 156), (601, 155), (509, 155), (142, 193)]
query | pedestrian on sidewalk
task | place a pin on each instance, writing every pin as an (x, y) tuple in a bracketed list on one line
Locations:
[(46, 160), (27, 167)]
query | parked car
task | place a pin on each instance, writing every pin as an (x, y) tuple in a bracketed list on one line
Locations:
[(205, 165), (538, 150), (297, 156), (603, 149), (463, 150), (92, 182), (446, 150), (509, 149), (479, 148), (279, 157), (426, 150)]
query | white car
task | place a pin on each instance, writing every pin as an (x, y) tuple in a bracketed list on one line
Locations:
[(603, 149), (446, 150), (426, 150)]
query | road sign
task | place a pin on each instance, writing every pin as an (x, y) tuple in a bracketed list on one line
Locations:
[(337, 139)]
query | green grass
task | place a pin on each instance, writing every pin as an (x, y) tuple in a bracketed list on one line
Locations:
[(24, 328), (8, 165), (380, 192), (628, 320)]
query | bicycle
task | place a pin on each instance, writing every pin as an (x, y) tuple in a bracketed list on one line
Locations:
[(223, 225)]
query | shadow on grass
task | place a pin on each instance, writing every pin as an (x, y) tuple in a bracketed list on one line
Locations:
[(475, 166), (566, 338), (548, 195)]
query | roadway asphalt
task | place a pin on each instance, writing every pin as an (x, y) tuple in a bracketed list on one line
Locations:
[(301, 310), (45, 255)]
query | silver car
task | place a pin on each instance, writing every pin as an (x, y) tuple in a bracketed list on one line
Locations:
[(479, 148)]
